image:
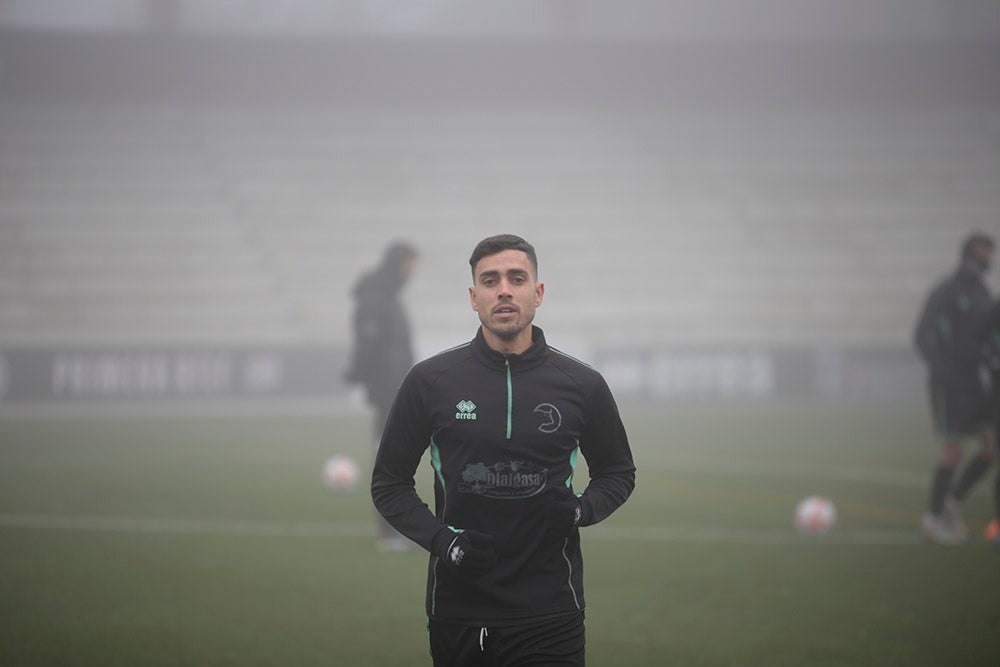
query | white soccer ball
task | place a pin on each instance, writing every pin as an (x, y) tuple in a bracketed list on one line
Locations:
[(815, 516), (340, 473)]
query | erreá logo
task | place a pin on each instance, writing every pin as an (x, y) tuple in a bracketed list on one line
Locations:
[(466, 410)]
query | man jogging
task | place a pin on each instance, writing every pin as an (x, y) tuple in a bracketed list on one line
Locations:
[(505, 417)]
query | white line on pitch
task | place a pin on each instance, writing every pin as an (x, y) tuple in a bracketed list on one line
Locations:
[(262, 528), (172, 526), (693, 534), (844, 473)]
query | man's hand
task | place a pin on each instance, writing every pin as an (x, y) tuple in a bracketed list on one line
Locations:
[(563, 514), (468, 553)]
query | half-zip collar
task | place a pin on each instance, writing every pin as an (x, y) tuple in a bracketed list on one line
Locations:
[(533, 356), (509, 364)]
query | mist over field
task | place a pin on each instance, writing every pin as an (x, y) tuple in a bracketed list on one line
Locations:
[(739, 209)]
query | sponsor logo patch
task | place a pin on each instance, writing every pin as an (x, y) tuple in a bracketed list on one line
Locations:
[(504, 479)]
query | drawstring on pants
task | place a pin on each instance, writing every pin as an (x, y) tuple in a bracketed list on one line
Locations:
[(483, 634)]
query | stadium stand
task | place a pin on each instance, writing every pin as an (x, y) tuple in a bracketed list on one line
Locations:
[(129, 223)]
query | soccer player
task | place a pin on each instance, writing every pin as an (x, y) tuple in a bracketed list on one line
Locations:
[(949, 336), (505, 417), (382, 348)]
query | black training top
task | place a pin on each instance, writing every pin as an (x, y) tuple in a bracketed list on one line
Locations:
[(504, 433), (952, 329)]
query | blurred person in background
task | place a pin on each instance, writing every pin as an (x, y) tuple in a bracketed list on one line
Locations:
[(949, 336), (991, 347), (382, 350), (505, 417)]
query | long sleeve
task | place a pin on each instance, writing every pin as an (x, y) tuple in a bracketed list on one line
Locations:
[(606, 448), (404, 441), (928, 334)]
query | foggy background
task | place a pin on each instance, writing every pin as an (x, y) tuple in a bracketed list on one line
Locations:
[(730, 200)]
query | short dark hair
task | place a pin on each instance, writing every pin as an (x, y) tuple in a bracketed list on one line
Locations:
[(398, 252), (496, 244), (973, 241)]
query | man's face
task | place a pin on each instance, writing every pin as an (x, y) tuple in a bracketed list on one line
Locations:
[(408, 268), (983, 254), (506, 293)]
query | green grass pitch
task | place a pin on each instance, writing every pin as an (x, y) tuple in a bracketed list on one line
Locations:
[(211, 541)]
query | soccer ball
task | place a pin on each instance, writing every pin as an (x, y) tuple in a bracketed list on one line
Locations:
[(340, 473), (815, 516)]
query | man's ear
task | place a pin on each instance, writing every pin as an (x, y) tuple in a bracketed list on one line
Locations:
[(472, 299)]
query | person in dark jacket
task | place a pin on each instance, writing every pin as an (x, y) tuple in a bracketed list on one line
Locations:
[(950, 337), (505, 417), (382, 347)]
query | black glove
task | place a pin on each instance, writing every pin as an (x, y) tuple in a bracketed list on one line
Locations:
[(468, 553), (563, 514)]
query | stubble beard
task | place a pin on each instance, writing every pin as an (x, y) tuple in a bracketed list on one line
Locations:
[(507, 332)]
